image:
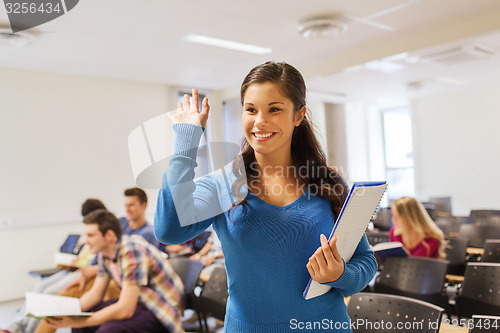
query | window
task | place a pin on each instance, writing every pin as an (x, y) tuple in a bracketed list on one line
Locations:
[(398, 146)]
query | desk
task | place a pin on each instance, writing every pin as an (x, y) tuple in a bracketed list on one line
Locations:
[(454, 278), (475, 251), (452, 329)]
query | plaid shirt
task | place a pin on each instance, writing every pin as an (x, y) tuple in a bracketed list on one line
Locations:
[(141, 264)]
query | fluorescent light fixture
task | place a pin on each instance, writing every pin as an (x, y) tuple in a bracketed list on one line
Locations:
[(227, 44), (450, 80), (383, 66)]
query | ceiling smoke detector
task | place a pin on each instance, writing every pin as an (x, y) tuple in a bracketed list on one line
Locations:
[(322, 26)]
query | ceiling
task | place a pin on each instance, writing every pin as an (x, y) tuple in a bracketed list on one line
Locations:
[(142, 40)]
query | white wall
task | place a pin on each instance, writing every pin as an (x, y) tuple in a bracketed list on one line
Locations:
[(365, 153), (62, 139), (336, 136), (457, 148)]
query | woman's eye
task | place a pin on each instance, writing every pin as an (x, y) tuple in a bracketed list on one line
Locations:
[(250, 110), (275, 109)]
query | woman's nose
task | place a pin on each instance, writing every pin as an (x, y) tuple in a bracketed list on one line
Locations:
[(261, 120)]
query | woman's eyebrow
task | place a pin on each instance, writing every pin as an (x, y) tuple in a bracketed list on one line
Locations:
[(267, 104)]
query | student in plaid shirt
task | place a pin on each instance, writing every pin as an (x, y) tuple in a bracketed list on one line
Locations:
[(150, 290)]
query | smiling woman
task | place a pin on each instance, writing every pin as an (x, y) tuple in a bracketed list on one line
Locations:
[(283, 199)]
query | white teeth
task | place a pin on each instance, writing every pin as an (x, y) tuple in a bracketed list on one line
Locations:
[(263, 135)]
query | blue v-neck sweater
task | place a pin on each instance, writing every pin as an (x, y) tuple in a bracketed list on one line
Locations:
[(266, 247)]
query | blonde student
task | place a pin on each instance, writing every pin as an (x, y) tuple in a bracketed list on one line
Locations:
[(415, 229), (272, 235)]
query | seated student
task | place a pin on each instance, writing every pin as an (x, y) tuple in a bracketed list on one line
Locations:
[(56, 282), (150, 289), (134, 223), (415, 229)]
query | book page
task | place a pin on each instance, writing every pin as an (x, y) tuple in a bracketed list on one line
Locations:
[(355, 218), (386, 245), (42, 305)]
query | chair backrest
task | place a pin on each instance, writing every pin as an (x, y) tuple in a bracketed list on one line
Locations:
[(451, 224), (370, 309), (491, 251), (442, 205), (430, 208), (416, 275), (482, 283), (477, 234), (485, 324), (189, 272), (383, 219), (487, 220), (375, 237), (479, 213), (456, 250), (214, 294)]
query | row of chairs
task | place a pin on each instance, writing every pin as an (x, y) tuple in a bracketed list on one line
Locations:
[(456, 251), (441, 213), (425, 279), (375, 312)]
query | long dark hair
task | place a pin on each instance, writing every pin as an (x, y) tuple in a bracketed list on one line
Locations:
[(305, 148)]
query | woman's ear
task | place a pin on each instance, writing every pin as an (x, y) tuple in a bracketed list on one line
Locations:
[(299, 115)]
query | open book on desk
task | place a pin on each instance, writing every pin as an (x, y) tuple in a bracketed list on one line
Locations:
[(358, 208), (390, 249), (42, 306)]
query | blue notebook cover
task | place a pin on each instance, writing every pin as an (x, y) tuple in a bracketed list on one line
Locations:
[(390, 249)]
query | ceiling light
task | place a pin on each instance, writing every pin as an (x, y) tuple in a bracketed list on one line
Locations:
[(322, 26), (227, 44), (383, 66), (450, 80)]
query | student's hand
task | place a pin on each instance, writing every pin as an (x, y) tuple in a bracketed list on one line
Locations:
[(87, 273), (326, 264), (80, 282), (208, 260), (60, 322), (188, 113), (174, 248), (196, 257)]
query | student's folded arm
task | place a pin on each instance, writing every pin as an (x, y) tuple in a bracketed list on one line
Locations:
[(426, 251), (185, 208), (123, 309), (358, 272), (96, 294)]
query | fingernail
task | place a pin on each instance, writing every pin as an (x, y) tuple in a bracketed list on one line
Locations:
[(323, 237)]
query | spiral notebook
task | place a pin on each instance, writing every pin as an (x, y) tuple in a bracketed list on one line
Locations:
[(358, 208)]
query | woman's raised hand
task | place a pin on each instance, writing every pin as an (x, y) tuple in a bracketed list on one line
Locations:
[(189, 113)]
